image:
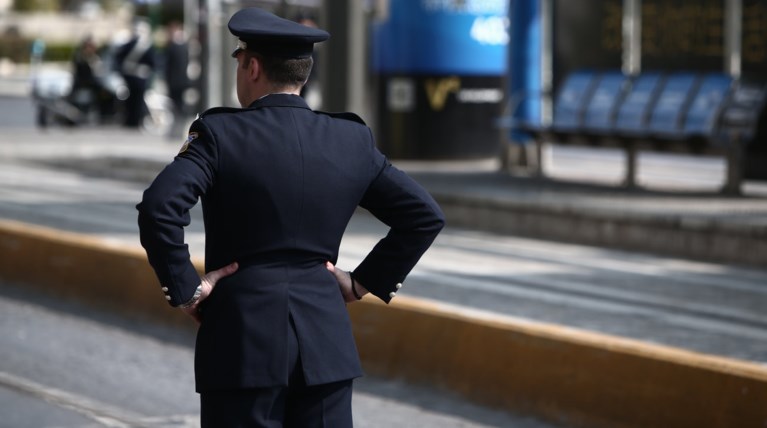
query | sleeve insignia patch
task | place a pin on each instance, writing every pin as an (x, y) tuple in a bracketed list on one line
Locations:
[(192, 136)]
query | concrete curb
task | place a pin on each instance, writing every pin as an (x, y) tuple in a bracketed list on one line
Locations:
[(83, 268), (576, 378), (565, 375), (669, 235)]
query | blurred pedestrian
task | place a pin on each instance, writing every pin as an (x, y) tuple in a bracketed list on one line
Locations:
[(279, 184), (176, 64), (86, 84), (135, 61)]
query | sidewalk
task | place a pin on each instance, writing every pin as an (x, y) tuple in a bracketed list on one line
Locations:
[(695, 225), (701, 225)]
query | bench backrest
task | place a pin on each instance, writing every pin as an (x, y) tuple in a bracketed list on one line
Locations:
[(631, 118), (667, 116), (604, 102), (707, 105), (571, 100)]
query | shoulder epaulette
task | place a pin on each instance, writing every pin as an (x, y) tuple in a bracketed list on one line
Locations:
[(344, 115)]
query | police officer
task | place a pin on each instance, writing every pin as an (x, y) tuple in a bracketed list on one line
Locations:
[(279, 184), (135, 61)]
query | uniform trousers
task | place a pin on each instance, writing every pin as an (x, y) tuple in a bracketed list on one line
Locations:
[(294, 406)]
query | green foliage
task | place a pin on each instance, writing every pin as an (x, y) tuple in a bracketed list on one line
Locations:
[(110, 5), (36, 5), (60, 5), (59, 52), (18, 50)]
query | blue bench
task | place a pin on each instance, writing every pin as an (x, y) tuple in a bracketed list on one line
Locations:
[(571, 102), (666, 121), (679, 111), (606, 99), (634, 111), (706, 108)]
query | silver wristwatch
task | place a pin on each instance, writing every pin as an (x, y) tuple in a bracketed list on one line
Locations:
[(195, 297)]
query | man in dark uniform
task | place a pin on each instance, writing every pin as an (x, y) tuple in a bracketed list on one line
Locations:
[(176, 63), (135, 61), (279, 184)]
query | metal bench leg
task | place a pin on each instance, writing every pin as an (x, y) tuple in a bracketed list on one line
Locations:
[(629, 180), (506, 157), (538, 172), (734, 177), (513, 157)]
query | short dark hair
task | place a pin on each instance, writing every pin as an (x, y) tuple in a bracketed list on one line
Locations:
[(282, 71)]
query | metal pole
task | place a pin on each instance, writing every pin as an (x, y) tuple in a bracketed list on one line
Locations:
[(214, 79), (334, 69), (547, 60), (632, 65), (734, 174), (733, 33), (356, 57), (547, 79), (632, 37)]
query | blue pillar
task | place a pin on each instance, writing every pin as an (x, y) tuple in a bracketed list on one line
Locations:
[(524, 70)]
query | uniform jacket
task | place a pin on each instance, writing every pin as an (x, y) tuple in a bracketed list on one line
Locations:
[(279, 184)]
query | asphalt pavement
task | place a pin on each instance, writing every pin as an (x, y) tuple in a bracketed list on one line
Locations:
[(67, 365)]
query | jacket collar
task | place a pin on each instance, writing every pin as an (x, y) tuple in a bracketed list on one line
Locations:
[(279, 100)]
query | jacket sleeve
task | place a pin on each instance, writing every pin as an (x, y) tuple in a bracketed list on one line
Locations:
[(164, 212), (414, 219)]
